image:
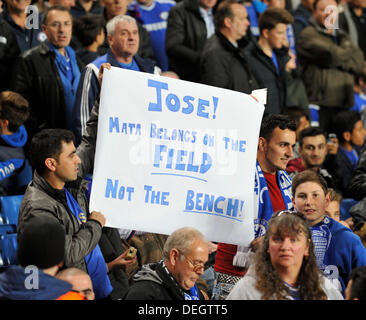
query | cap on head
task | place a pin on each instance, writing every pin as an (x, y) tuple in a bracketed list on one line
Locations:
[(42, 243)]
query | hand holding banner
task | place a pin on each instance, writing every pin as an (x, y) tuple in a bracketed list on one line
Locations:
[(172, 153)]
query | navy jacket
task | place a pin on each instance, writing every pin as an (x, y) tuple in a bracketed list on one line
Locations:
[(9, 51), (13, 285), (264, 71), (26, 38)]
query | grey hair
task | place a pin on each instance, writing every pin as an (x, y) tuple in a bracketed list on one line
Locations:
[(111, 25), (182, 240)]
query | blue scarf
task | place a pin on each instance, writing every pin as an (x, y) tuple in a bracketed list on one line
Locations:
[(275, 62), (95, 262), (69, 72), (130, 66), (193, 294), (263, 211)]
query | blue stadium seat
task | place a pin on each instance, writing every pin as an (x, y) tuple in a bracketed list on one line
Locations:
[(8, 245), (9, 208), (25, 175)]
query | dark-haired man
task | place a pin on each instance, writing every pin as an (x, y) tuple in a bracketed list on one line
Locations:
[(48, 75), (223, 63), (351, 135), (272, 190), (58, 191), (313, 149)]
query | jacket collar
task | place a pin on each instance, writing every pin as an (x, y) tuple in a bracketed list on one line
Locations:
[(226, 42), (59, 195), (44, 49), (42, 184), (192, 5), (320, 29), (145, 65)]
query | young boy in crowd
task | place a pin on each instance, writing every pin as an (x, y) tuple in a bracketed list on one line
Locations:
[(14, 111), (360, 93), (351, 135), (333, 209), (90, 32)]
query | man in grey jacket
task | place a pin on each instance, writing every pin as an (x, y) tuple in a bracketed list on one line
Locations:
[(329, 63), (58, 191)]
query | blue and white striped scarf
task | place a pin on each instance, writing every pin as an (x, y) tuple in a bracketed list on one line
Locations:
[(263, 210)]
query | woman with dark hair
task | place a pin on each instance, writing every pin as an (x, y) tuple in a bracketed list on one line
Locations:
[(285, 268)]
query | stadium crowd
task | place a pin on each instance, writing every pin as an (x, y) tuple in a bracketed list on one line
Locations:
[(310, 189)]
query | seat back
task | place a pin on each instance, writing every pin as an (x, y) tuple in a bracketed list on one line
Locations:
[(9, 208), (25, 175), (8, 245)]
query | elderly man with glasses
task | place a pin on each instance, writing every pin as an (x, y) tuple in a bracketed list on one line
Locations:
[(174, 277)]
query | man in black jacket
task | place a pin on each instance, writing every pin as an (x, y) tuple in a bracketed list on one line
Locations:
[(174, 277), (9, 51), (48, 75), (223, 63), (186, 34), (268, 58)]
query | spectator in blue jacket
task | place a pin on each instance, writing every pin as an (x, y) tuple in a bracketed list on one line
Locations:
[(14, 110), (123, 38)]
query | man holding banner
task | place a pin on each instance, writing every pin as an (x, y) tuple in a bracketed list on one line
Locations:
[(123, 38), (272, 193), (175, 153)]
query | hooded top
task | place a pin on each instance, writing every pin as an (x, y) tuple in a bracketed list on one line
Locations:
[(12, 159), (15, 279)]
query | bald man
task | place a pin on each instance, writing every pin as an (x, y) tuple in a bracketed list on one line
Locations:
[(80, 281)]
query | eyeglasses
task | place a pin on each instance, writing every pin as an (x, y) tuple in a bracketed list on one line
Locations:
[(289, 212), (197, 266)]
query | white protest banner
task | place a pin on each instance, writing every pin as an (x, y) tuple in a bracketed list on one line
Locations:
[(172, 153)]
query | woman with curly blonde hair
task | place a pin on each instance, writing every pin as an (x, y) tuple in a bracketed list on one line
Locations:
[(285, 268)]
